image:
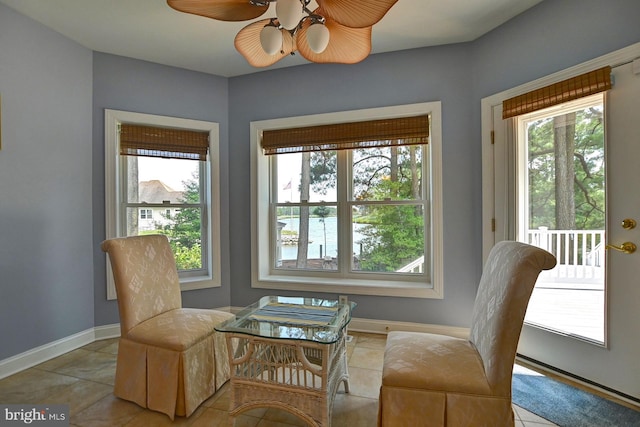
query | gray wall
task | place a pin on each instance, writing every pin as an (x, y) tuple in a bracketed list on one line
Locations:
[(131, 85), (46, 268), (552, 36), (54, 93), (410, 76)]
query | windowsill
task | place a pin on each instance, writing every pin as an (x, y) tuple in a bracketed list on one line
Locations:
[(347, 286), (202, 282)]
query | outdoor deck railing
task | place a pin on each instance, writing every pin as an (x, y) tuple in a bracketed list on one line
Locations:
[(580, 253)]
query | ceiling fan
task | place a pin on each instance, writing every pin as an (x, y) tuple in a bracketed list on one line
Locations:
[(337, 31)]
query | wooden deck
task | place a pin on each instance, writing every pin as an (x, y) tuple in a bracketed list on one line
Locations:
[(572, 308)]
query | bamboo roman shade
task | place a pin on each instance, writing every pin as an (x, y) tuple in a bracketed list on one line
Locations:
[(150, 141), (567, 90), (343, 136)]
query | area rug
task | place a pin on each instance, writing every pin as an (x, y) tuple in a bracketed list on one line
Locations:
[(565, 405)]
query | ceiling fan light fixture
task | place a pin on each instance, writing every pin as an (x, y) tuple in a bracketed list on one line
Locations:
[(318, 37), (289, 13), (337, 31), (271, 39)]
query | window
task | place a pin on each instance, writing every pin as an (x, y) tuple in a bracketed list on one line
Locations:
[(561, 177), (349, 215), (165, 164)]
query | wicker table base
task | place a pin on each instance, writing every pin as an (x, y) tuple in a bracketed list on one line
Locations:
[(299, 376)]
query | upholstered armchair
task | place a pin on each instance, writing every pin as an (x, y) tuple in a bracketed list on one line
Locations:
[(170, 359), (436, 380)]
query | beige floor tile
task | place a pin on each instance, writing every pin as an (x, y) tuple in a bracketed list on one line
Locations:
[(375, 341), (80, 395), (354, 411), (216, 418), (33, 386), (65, 359), (107, 412), (96, 366), (529, 418), (111, 348), (284, 417), (100, 345), (364, 382), (269, 423), (369, 358)]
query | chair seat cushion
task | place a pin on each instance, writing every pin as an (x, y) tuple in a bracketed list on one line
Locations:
[(437, 363), (177, 329)]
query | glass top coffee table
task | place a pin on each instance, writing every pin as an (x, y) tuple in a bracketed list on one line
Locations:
[(288, 353)]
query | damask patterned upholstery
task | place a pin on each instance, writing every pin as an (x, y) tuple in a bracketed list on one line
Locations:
[(170, 359), (437, 380)]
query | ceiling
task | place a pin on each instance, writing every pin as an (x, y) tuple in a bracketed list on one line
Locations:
[(152, 31)]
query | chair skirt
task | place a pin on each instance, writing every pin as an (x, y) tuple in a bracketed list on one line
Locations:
[(173, 381), (431, 380)]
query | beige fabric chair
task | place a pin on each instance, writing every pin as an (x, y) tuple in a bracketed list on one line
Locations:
[(170, 359), (437, 380)]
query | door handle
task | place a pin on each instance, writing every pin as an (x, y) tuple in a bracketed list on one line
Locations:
[(626, 247)]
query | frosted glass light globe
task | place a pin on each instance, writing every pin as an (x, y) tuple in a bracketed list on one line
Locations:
[(289, 13), (271, 39), (318, 37)]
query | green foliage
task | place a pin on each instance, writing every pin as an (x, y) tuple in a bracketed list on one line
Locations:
[(322, 212), (393, 235), (184, 229), (187, 258), (589, 166)]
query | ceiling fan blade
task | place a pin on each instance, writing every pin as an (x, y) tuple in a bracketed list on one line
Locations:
[(346, 45), (222, 10), (356, 13), (247, 42)]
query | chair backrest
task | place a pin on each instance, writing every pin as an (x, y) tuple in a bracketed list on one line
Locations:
[(145, 275), (508, 278)]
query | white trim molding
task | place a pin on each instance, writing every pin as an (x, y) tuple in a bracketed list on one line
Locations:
[(262, 274), (112, 118)]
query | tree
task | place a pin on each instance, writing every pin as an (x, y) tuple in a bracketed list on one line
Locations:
[(394, 234), (566, 171), (564, 142), (303, 230), (184, 228), (323, 212)]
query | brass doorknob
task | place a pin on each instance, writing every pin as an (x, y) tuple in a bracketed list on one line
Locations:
[(628, 223), (626, 247)]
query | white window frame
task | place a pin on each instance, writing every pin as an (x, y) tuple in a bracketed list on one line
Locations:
[(264, 277), (212, 192)]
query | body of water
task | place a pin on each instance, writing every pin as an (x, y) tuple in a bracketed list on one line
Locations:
[(317, 236)]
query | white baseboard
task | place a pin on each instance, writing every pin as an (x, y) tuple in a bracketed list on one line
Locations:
[(385, 326), (35, 356), (45, 352)]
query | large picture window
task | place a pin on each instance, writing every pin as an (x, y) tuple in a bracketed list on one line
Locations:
[(350, 202), (161, 178)]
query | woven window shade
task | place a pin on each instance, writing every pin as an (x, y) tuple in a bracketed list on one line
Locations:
[(137, 140), (576, 87), (344, 136)]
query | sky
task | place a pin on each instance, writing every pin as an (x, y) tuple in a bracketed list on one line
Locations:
[(172, 172)]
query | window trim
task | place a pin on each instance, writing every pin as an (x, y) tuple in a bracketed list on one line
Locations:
[(376, 284), (112, 182)]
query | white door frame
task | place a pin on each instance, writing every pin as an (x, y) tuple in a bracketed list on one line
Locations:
[(580, 359)]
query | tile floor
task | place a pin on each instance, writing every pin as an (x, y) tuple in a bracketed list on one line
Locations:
[(83, 379)]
